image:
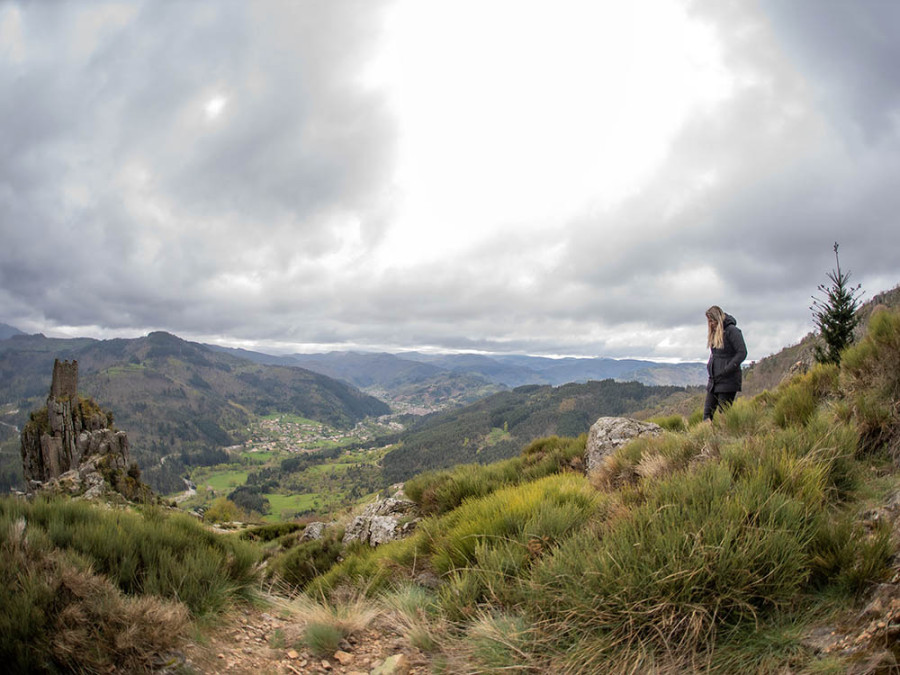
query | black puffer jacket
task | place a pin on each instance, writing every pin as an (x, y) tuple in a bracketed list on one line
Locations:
[(724, 365)]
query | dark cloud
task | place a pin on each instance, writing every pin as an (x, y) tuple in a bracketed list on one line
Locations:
[(109, 154), (850, 53), (126, 204)]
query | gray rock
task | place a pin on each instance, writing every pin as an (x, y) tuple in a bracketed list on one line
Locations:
[(398, 664), (383, 521), (313, 531), (74, 449), (609, 433)]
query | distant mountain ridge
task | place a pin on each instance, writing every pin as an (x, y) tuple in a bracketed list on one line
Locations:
[(385, 370), (7, 331), (407, 385)]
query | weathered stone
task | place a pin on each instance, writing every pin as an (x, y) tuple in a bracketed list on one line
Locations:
[(383, 521), (609, 433), (313, 531), (343, 658), (68, 447), (398, 664)]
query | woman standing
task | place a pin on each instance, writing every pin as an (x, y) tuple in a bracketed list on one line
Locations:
[(727, 351)]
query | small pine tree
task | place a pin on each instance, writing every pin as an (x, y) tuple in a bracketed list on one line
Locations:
[(835, 314)]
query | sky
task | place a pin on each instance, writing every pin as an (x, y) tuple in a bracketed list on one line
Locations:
[(551, 177)]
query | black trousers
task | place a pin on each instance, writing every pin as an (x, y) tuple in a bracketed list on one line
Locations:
[(717, 401)]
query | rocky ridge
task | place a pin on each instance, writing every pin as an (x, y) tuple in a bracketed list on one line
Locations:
[(71, 446)]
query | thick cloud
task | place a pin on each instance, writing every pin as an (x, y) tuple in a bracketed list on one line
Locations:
[(127, 201), (229, 171)]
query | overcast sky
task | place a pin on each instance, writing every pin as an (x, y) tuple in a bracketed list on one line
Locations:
[(558, 177)]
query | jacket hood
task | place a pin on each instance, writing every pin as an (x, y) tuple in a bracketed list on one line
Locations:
[(729, 321)]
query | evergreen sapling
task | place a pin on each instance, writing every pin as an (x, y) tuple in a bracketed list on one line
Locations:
[(835, 314)]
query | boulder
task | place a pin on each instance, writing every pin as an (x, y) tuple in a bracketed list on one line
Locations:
[(313, 531), (609, 433), (383, 521)]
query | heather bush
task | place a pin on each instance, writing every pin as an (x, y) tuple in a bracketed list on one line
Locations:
[(442, 491), (870, 373), (171, 556), (544, 510), (58, 616), (302, 563), (670, 422), (702, 549)]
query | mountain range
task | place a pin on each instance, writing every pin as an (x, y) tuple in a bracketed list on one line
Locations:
[(390, 371), (182, 401)]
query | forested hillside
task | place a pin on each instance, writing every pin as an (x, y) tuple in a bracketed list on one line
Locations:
[(499, 426), (177, 400)]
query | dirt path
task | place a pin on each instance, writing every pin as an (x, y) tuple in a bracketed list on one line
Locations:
[(265, 642)]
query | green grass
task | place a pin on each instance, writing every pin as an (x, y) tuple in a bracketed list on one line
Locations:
[(292, 503), (711, 547), (224, 481), (293, 419), (172, 556), (126, 369), (261, 456)]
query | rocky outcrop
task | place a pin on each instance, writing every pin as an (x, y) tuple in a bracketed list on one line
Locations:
[(71, 447), (384, 521), (313, 531), (609, 433)]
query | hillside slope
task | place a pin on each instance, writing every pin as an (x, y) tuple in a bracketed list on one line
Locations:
[(177, 399), (763, 541), (498, 426)]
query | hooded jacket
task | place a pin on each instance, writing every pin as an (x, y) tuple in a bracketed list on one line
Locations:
[(724, 365)]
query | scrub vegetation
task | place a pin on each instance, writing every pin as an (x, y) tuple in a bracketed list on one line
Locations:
[(715, 547), (677, 555)]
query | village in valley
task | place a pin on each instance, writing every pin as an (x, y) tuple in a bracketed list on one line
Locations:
[(293, 434)]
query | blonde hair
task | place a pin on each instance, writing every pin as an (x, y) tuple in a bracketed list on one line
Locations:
[(715, 338)]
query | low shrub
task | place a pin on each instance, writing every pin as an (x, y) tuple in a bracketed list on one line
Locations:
[(744, 416), (848, 555), (655, 457), (796, 403), (670, 422), (703, 549), (543, 510), (265, 533), (302, 563), (171, 556), (870, 373), (695, 417), (374, 569), (439, 492), (59, 616), (223, 510)]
